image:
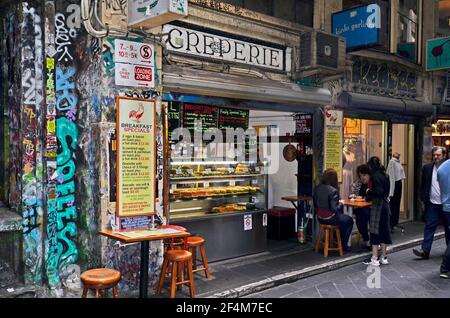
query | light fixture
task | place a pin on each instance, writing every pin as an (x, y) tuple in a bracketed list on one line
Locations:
[(447, 142)]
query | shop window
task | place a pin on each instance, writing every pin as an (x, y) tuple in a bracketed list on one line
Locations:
[(408, 29), (444, 17), (297, 11)]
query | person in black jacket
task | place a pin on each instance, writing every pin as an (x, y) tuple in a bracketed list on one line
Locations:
[(328, 208), (378, 193), (362, 215), (431, 198)]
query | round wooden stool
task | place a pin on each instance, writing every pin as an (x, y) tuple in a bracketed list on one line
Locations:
[(329, 239), (100, 279), (193, 242), (178, 258)]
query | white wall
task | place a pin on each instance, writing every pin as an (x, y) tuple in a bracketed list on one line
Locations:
[(283, 182)]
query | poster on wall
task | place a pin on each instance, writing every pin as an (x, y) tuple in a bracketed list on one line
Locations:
[(136, 153), (333, 141), (427, 156)]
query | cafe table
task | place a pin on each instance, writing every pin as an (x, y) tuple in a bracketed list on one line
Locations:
[(349, 205), (144, 237)]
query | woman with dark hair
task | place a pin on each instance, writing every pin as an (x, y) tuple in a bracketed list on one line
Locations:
[(328, 208), (378, 193)]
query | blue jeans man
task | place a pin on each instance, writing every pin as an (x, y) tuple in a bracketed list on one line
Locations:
[(432, 214), (445, 266)]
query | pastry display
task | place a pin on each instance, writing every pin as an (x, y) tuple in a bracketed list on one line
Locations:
[(213, 192)]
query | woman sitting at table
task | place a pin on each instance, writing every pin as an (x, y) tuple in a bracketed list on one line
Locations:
[(362, 215), (328, 208), (378, 193)]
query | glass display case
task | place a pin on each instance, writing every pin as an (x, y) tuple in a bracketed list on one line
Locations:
[(212, 188)]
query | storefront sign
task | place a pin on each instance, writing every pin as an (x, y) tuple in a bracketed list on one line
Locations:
[(360, 26), (207, 45), (136, 153), (438, 54), (333, 141), (132, 52), (248, 222), (441, 128)]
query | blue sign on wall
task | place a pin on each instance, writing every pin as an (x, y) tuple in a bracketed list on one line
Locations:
[(361, 26)]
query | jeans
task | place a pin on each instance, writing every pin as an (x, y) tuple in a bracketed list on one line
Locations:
[(345, 224), (432, 214), (362, 222)]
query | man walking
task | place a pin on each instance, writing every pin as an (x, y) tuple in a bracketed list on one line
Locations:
[(396, 175), (444, 183), (431, 197)]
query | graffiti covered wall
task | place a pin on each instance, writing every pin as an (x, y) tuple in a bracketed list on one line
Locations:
[(116, 255)]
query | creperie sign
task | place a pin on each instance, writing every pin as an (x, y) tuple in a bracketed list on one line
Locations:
[(208, 45)]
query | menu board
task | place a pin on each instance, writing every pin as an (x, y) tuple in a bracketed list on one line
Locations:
[(233, 118), (207, 116), (333, 141), (136, 154), (174, 118)]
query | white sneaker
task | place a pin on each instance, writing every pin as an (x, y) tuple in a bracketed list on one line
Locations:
[(384, 260), (373, 261)]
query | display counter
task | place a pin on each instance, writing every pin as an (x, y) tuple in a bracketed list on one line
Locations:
[(224, 202)]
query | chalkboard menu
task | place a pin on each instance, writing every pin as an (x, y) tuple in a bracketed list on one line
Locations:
[(206, 115), (174, 117), (233, 118)]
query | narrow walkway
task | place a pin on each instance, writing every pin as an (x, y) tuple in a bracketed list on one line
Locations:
[(285, 263), (404, 277)]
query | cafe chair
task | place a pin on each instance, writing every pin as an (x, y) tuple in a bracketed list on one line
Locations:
[(193, 242), (178, 259), (100, 279), (329, 239)]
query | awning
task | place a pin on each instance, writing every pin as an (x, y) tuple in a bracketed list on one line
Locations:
[(356, 101), (199, 82)]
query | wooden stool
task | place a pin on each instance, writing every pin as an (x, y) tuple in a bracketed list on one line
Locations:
[(178, 258), (329, 239), (100, 279), (193, 242)]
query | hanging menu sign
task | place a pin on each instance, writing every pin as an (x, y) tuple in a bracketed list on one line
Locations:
[(136, 145), (333, 141), (233, 118), (303, 124), (206, 115), (173, 117)]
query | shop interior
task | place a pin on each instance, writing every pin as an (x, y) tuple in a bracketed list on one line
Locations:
[(213, 182), (366, 138)]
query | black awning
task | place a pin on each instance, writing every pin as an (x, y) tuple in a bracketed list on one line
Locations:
[(356, 101)]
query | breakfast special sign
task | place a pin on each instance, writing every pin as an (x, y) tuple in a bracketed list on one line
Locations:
[(136, 155)]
